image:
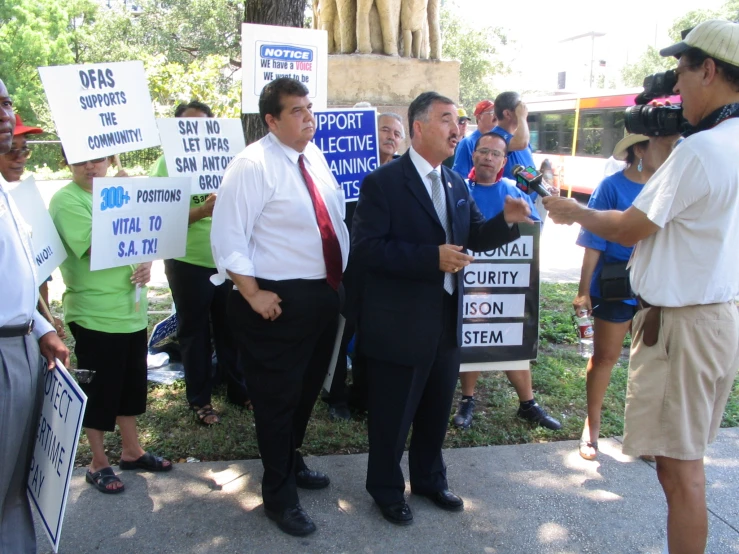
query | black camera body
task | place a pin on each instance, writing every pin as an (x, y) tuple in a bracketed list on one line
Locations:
[(655, 121)]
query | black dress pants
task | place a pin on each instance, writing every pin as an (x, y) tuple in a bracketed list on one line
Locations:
[(286, 361), (200, 306), (400, 396)]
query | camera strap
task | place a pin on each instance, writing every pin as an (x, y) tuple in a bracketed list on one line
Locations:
[(714, 118)]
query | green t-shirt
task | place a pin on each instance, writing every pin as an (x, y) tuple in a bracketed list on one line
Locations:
[(198, 234), (103, 300)]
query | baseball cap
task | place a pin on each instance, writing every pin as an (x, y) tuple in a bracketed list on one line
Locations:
[(717, 38), (462, 114), (483, 106), (21, 129), (619, 151)]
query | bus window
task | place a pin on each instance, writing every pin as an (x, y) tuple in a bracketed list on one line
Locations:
[(590, 134), (557, 132)]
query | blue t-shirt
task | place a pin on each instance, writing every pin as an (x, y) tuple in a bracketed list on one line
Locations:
[(517, 157), (463, 156), (615, 192), (491, 198)]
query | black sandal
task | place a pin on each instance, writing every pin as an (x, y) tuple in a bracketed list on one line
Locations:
[(204, 412), (148, 461), (101, 479)]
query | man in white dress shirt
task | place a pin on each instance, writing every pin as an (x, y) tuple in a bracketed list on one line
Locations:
[(23, 333), (278, 233)]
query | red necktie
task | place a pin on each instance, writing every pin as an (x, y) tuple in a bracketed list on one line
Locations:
[(331, 248)]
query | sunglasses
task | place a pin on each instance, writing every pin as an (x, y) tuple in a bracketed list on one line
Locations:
[(95, 161)]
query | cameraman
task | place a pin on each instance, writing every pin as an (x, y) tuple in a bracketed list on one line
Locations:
[(685, 273)]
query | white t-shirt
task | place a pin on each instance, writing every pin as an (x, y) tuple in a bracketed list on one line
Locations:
[(694, 198)]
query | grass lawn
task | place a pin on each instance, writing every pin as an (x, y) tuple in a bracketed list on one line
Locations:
[(169, 428)]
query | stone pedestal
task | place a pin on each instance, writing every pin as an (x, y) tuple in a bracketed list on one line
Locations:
[(388, 83)]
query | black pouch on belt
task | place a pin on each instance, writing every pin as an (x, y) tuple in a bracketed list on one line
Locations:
[(652, 323), (614, 282)]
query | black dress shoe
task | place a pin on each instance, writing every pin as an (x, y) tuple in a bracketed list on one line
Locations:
[(537, 414), (446, 500), (293, 521), (398, 513), (307, 479)]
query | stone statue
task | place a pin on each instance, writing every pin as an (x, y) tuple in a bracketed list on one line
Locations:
[(389, 15), (337, 18)]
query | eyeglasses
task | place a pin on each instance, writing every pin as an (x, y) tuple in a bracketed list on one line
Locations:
[(95, 161), (24, 152), (487, 151)]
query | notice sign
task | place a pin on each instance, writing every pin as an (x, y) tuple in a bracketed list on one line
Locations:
[(48, 250), (269, 52), (500, 327), (100, 109), (348, 140), (200, 148), (57, 436), (138, 220)]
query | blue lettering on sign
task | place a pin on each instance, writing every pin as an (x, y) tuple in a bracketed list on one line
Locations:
[(286, 52)]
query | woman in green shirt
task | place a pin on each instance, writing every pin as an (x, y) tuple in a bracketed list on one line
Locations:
[(201, 306), (110, 333)]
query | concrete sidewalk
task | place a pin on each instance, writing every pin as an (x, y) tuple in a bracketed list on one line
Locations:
[(519, 499)]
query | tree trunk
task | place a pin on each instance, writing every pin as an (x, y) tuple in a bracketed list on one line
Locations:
[(286, 13)]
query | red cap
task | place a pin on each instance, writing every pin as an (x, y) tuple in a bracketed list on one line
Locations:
[(21, 129), (483, 106)]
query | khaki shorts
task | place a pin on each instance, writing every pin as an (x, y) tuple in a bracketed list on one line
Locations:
[(678, 388)]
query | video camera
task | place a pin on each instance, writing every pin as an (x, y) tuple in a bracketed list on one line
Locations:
[(655, 121)]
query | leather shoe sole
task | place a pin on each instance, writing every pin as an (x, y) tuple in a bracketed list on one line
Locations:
[(446, 500), (293, 521), (398, 513), (307, 479)]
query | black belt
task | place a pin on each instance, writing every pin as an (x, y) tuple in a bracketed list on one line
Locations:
[(9, 331)]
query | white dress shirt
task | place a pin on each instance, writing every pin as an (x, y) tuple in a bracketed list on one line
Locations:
[(264, 223), (18, 280), (424, 168)]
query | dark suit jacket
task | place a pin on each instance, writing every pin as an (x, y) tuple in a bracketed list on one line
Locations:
[(395, 246)]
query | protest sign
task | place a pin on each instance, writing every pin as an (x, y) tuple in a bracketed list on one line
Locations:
[(500, 329), (48, 250), (138, 220), (348, 140), (100, 109), (269, 52), (55, 447), (165, 329), (200, 148)]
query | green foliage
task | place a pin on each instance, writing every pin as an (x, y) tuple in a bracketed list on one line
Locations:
[(478, 52)]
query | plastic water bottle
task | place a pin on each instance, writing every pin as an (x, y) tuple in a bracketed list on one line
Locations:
[(585, 331)]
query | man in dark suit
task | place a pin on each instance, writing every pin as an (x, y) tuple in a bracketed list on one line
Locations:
[(412, 224)]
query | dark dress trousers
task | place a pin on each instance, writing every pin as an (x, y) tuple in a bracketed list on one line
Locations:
[(409, 328)]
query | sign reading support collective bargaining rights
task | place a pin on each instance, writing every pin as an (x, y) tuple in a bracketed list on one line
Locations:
[(269, 52), (100, 109), (348, 140), (138, 220), (201, 148), (500, 329), (55, 448), (48, 250)]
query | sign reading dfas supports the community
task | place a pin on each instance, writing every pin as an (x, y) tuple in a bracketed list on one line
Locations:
[(500, 309), (100, 109), (269, 52)]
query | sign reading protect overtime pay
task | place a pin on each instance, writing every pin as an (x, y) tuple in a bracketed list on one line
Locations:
[(200, 148), (57, 436), (138, 220), (100, 109), (348, 140), (500, 327)]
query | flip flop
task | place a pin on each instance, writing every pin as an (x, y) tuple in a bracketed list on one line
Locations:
[(101, 479), (148, 462), (588, 444)]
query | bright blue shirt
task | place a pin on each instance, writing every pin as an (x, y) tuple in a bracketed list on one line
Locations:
[(463, 156), (490, 199), (615, 192), (517, 157)]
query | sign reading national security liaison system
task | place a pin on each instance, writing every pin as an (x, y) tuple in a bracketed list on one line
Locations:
[(500, 310), (138, 220), (200, 148), (55, 448), (269, 52), (100, 109), (348, 140)]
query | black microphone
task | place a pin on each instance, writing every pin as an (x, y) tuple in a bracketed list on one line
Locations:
[(528, 179)]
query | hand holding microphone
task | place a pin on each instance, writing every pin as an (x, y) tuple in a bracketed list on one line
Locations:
[(528, 179)]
